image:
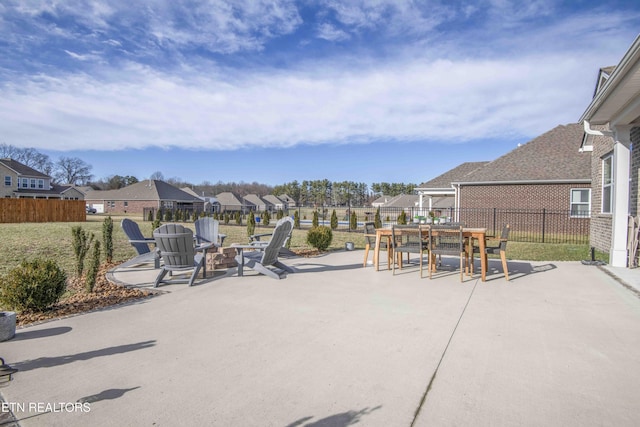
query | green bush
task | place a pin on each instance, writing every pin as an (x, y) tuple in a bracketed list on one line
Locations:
[(334, 220), (377, 222), (296, 219), (227, 218), (266, 218), (402, 218), (33, 285), (238, 218), (315, 220), (320, 237), (94, 266), (107, 238), (251, 224), (81, 244), (353, 221), (168, 215)]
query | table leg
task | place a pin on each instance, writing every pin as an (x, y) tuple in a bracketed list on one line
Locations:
[(376, 251)]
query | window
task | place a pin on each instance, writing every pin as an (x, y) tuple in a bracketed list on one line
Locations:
[(7, 180), (41, 184), (126, 204), (33, 183), (25, 182), (580, 202), (607, 184)]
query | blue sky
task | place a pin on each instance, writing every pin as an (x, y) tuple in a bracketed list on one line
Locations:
[(274, 90)]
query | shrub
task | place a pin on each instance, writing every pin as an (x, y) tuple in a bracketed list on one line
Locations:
[(227, 218), (314, 221), (155, 224), (296, 219), (179, 215), (402, 218), (377, 222), (266, 218), (238, 218), (168, 216), (320, 237), (251, 224), (81, 244), (94, 265), (334, 220), (279, 214), (33, 285), (107, 238), (353, 221)]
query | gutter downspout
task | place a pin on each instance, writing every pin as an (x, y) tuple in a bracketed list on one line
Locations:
[(589, 131), (618, 253)]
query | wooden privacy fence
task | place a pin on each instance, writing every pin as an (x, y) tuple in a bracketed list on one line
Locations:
[(42, 210)]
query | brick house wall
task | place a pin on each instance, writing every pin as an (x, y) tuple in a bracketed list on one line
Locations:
[(600, 233), (511, 200)]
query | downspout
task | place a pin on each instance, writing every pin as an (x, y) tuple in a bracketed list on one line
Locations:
[(457, 201), (589, 131)]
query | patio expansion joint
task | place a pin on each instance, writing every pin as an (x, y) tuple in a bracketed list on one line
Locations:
[(444, 352)]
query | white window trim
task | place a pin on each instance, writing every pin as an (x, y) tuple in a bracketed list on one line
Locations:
[(611, 185), (572, 203), (8, 181)]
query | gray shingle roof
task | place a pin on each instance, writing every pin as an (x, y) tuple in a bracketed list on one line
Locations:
[(228, 199), (270, 198), (456, 174), (145, 190), (21, 169), (553, 156)]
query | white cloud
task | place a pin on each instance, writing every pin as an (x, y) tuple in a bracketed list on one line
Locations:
[(412, 100)]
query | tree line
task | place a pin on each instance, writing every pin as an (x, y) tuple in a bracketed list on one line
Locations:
[(72, 170)]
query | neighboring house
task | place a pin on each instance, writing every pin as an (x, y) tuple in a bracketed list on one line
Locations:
[(613, 118), (210, 203), (439, 193), (253, 202), (289, 202), (276, 202), (229, 202), (546, 172), (21, 181), (147, 194)]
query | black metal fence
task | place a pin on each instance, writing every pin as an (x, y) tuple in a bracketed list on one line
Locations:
[(527, 225)]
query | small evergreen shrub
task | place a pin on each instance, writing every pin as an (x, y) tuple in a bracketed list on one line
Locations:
[(227, 218), (94, 266), (296, 220), (402, 218), (33, 285), (107, 238), (377, 222), (334, 220), (251, 224), (353, 221), (266, 218), (238, 218), (315, 219), (81, 244), (320, 237), (168, 215)]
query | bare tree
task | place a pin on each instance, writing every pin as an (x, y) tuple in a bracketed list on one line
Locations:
[(72, 170), (157, 175), (27, 156)]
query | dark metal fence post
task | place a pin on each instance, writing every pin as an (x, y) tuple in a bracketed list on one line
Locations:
[(544, 218), (494, 221)]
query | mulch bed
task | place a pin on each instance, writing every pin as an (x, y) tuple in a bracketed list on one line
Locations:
[(105, 294)]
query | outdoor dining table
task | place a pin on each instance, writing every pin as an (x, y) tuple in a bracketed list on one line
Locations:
[(479, 234)]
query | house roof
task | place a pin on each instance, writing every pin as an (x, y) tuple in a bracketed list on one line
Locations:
[(145, 190), (454, 175), (403, 201), (21, 169), (228, 199), (553, 156), (270, 198), (254, 199), (617, 98)]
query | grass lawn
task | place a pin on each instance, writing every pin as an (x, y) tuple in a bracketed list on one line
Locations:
[(53, 241)]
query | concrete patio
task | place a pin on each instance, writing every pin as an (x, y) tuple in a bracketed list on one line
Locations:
[(337, 344)]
